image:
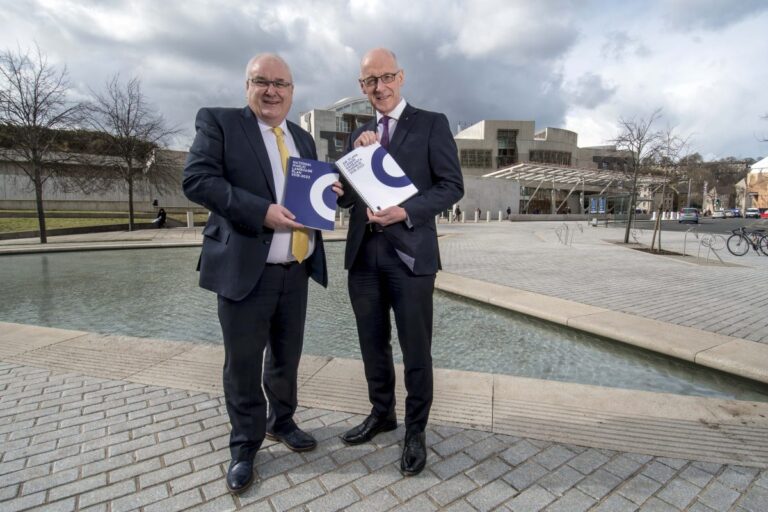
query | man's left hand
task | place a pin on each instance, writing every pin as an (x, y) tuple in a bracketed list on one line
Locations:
[(387, 216)]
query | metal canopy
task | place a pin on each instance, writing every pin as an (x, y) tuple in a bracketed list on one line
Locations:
[(536, 173)]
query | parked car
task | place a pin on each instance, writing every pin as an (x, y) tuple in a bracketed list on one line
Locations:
[(689, 215), (736, 212), (752, 213), (764, 213), (718, 214), (729, 214)]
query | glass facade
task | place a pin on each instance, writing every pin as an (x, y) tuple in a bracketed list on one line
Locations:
[(478, 158)]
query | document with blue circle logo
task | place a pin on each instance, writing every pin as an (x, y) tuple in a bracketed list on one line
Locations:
[(376, 177), (308, 192)]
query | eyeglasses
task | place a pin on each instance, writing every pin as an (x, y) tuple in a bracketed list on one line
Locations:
[(264, 84), (372, 81)]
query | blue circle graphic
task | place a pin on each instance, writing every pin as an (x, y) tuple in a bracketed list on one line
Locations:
[(377, 164)]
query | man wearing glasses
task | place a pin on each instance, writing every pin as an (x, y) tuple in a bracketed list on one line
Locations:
[(392, 255), (256, 258)]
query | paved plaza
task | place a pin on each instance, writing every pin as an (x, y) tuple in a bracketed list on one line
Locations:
[(109, 423)]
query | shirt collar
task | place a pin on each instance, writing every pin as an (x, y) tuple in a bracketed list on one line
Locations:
[(396, 112), (266, 128)]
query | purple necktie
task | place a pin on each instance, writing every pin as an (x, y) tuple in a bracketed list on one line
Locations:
[(384, 131)]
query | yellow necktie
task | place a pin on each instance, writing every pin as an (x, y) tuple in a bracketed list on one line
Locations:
[(299, 237)]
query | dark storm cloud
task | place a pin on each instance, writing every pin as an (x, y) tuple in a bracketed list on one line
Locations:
[(710, 14), (590, 91)]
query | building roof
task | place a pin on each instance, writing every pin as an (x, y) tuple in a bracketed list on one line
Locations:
[(533, 172), (761, 166)]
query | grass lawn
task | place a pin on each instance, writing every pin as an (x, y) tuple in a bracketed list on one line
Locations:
[(30, 224)]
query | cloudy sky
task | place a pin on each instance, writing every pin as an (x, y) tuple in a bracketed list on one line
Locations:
[(579, 65)]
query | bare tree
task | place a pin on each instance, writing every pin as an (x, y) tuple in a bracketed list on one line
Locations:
[(34, 106), (669, 152), (636, 136), (135, 131)]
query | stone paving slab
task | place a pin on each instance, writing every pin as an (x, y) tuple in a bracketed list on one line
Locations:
[(168, 452)]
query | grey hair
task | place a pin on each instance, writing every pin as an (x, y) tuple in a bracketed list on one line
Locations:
[(260, 56)]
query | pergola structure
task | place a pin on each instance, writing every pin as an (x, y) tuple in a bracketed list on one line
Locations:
[(597, 181)]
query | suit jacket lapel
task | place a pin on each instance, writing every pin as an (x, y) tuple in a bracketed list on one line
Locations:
[(253, 135), (404, 125), (301, 143)]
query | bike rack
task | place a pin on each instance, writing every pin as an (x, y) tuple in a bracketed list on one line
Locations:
[(713, 243), (695, 232)]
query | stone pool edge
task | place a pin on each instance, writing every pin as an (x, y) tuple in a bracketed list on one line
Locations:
[(735, 356)]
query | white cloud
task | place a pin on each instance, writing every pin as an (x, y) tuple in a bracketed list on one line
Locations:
[(578, 65)]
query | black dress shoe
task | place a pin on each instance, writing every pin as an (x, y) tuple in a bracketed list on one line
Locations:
[(296, 440), (368, 429), (414, 453), (239, 476)]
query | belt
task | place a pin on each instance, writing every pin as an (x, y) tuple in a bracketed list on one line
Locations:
[(374, 228), (285, 264)]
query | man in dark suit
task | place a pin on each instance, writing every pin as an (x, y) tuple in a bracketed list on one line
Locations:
[(392, 255), (256, 258)]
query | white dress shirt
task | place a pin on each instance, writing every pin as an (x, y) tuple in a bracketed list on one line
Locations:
[(280, 248)]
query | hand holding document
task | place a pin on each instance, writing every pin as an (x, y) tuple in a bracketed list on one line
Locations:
[(376, 177)]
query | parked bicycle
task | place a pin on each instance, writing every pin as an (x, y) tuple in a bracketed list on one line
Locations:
[(742, 239)]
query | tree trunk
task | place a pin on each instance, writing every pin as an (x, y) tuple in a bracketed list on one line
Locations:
[(632, 199), (131, 226), (38, 181)]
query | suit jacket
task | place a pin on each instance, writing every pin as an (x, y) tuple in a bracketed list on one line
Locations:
[(228, 171), (424, 147)]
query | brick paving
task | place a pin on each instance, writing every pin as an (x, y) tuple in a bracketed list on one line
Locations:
[(725, 299), (71, 441), (74, 442)]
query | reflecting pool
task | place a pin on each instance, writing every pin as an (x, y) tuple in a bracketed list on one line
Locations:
[(154, 293)]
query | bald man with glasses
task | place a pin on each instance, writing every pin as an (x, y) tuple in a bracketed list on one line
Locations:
[(392, 255)]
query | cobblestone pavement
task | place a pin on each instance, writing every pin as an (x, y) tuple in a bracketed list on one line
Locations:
[(592, 269), (72, 442)]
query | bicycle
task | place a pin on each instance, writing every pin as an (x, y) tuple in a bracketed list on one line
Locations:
[(741, 240)]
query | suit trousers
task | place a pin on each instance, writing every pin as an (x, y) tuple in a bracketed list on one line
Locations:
[(271, 317), (379, 281)]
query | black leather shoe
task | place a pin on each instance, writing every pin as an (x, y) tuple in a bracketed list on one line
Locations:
[(296, 440), (414, 453), (239, 476), (368, 429)]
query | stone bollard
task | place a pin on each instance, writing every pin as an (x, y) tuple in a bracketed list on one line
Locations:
[(341, 218), (488, 216), (653, 216), (477, 216), (190, 219), (463, 217), (499, 215)]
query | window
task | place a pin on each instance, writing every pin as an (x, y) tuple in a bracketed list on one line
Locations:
[(480, 158), (507, 143), (550, 157)]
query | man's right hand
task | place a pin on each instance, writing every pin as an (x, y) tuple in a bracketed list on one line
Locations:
[(365, 139), (280, 217)]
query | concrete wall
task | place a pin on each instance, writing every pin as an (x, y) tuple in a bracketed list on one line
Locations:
[(489, 194), (17, 193)]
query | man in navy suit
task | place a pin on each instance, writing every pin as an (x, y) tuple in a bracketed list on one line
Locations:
[(256, 258), (392, 255)]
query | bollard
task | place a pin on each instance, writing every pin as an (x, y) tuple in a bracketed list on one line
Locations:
[(594, 222), (190, 219), (499, 215), (488, 216), (463, 217), (653, 216), (476, 217), (341, 218)]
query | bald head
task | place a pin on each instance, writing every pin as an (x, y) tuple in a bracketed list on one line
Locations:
[(378, 54), (383, 92)]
